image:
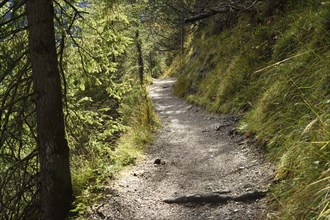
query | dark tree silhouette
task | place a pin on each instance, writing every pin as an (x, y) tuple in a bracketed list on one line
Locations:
[(56, 187), (140, 57)]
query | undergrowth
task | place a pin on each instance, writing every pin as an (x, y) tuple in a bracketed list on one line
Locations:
[(92, 172), (274, 68)]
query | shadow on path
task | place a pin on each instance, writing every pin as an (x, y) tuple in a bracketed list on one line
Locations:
[(196, 158)]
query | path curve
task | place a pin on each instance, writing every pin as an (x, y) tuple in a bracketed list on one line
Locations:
[(198, 154)]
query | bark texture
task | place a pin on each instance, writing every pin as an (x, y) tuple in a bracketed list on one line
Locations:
[(140, 57), (56, 187)]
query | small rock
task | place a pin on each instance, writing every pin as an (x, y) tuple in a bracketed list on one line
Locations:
[(157, 161), (138, 173), (236, 210)]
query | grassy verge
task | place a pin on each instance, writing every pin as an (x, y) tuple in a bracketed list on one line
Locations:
[(93, 170), (272, 66)]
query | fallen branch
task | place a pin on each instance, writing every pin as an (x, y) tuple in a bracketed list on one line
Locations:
[(216, 197), (200, 16), (224, 8)]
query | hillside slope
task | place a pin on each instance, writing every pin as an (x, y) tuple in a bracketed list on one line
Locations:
[(272, 66)]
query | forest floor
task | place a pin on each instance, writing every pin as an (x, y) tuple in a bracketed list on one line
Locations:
[(198, 164)]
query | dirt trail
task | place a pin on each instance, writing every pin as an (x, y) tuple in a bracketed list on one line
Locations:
[(198, 154)]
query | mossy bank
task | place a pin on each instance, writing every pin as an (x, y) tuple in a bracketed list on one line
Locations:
[(272, 66)]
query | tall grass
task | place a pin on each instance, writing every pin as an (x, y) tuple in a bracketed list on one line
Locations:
[(275, 70)]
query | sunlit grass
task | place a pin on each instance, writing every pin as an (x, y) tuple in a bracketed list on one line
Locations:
[(276, 72), (91, 173)]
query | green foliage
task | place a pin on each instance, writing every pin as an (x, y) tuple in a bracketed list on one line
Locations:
[(92, 171), (109, 118), (18, 154), (275, 70)]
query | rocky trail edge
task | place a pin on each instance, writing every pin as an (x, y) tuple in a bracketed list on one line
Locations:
[(198, 168)]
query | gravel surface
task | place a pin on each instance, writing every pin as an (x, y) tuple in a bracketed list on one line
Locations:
[(194, 152)]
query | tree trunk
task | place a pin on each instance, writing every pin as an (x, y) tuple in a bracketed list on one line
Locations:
[(182, 36), (140, 57), (56, 188)]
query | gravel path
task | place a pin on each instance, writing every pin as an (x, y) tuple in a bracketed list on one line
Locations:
[(195, 152)]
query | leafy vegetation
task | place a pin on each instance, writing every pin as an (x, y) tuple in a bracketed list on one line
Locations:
[(109, 117), (267, 60), (93, 171), (272, 66)]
